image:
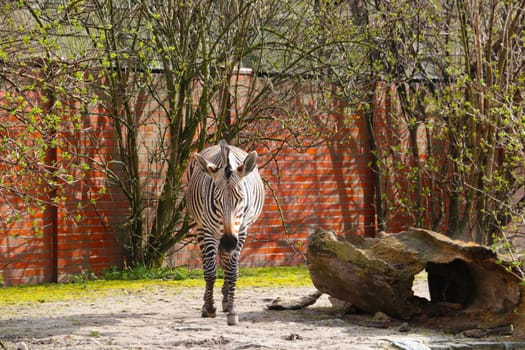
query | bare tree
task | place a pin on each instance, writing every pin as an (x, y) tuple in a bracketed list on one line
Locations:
[(456, 68), (179, 68)]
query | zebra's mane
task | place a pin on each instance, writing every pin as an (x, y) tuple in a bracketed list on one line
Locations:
[(225, 154)]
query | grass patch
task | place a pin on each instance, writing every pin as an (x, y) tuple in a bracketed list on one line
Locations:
[(136, 280), (141, 273)]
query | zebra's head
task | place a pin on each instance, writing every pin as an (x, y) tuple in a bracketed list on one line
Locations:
[(228, 191)]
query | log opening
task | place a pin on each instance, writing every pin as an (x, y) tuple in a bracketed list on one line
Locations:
[(450, 282)]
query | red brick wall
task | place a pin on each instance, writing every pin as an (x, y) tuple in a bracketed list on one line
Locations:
[(329, 186), (87, 236), (25, 250), (46, 243)]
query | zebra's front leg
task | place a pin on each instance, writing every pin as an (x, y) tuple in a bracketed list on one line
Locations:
[(209, 262), (230, 262)]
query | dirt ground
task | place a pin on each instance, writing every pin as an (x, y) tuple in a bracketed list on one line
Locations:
[(169, 318)]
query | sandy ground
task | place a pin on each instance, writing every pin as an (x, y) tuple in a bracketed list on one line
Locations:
[(169, 318)]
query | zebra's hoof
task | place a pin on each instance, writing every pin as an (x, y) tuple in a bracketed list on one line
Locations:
[(233, 319), (209, 313)]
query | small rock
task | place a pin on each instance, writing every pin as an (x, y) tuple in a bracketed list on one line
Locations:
[(404, 327), (475, 333), (22, 346), (294, 336), (384, 324), (381, 316), (408, 344), (380, 320), (340, 306), (501, 330), (332, 322)]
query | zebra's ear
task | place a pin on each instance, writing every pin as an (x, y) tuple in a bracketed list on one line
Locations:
[(248, 165), (207, 167)]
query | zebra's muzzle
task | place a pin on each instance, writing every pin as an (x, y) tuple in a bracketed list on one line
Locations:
[(228, 243)]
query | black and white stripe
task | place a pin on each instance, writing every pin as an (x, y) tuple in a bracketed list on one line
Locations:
[(225, 196)]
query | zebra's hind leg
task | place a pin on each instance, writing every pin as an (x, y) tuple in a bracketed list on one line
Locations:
[(225, 289), (230, 262)]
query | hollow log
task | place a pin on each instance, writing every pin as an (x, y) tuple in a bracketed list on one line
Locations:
[(469, 285)]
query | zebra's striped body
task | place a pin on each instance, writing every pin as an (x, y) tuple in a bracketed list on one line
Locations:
[(225, 195)]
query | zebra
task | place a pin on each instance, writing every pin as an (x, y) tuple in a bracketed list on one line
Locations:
[(225, 195)]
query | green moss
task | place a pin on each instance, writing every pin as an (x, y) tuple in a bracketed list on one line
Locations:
[(68, 291), (256, 277), (274, 276)]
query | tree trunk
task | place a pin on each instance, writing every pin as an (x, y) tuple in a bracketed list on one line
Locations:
[(469, 286)]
